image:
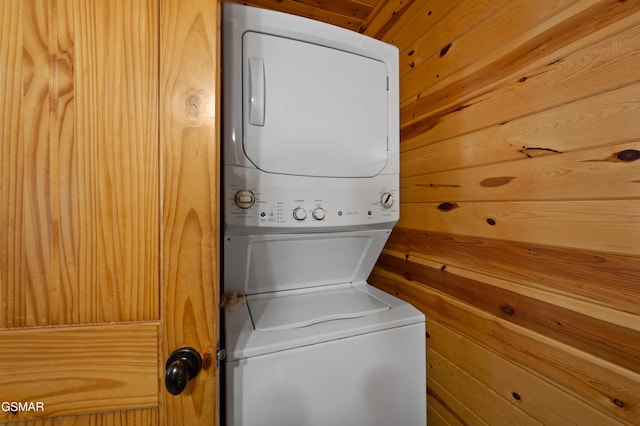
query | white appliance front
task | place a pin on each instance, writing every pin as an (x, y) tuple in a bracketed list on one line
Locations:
[(346, 354), (308, 99), (368, 380), (325, 108), (311, 193)]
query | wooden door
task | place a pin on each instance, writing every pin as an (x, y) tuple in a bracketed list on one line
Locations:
[(108, 209)]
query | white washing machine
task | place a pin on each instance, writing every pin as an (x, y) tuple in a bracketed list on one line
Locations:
[(310, 194)]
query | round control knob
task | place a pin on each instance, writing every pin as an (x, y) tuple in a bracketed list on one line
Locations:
[(318, 213), (244, 199), (386, 200), (299, 213)]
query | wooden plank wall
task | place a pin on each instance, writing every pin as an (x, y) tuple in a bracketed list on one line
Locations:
[(519, 235)]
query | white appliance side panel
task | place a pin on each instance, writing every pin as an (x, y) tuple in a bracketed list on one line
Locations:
[(376, 379), (313, 110)]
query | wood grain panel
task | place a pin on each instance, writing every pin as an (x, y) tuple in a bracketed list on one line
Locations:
[(479, 44), (80, 187), (607, 226), (451, 409), (600, 173), (417, 18), (607, 387), (438, 414), (388, 14), (538, 398), (605, 119), (533, 77), (426, 36), (189, 137), (350, 15), (519, 147), (144, 417), (605, 279), (73, 370), (483, 402), (11, 160), (617, 344)]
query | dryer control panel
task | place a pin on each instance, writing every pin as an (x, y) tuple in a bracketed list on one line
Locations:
[(257, 199)]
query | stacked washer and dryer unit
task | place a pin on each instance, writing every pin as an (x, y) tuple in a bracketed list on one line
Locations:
[(311, 186)]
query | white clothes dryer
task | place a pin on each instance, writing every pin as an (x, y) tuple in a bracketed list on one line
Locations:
[(310, 195)]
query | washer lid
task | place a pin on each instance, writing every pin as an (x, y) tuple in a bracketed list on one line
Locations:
[(303, 309)]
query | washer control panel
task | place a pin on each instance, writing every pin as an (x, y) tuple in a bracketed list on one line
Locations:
[(284, 201)]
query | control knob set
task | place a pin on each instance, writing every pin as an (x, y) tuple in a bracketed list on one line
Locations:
[(300, 214), (245, 199)]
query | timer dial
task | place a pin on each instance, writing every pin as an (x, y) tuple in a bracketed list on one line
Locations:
[(386, 200), (244, 199)]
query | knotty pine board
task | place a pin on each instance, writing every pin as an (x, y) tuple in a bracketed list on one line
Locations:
[(609, 226), (142, 417), (439, 415), (598, 173), (527, 79), (344, 13), (77, 369), (450, 404), (425, 36), (79, 162), (613, 390), (618, 344), (541, 400), (505, 28), (603, 119), (412, 21), (488, 406), (572, 277), (190, 208)]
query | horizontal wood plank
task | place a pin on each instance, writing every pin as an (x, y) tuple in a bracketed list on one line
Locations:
[(453, 409), (423, 38), (609, 388), (485, 403), (384, 16), (600, 278), (611, 226), (604, 119), (73, 370), (541, 400), (308, 11), (144, 417), (599, 173), (420, 18), (483, 47), (517, 84), (617, 344)]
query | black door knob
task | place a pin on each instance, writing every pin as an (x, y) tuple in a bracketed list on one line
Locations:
[(182, 365)]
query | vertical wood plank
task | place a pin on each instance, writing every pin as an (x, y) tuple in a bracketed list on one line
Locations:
[(190, 233), (80, 162), (11, 157)]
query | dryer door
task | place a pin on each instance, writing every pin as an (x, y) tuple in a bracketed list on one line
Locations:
[(313, 110)]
